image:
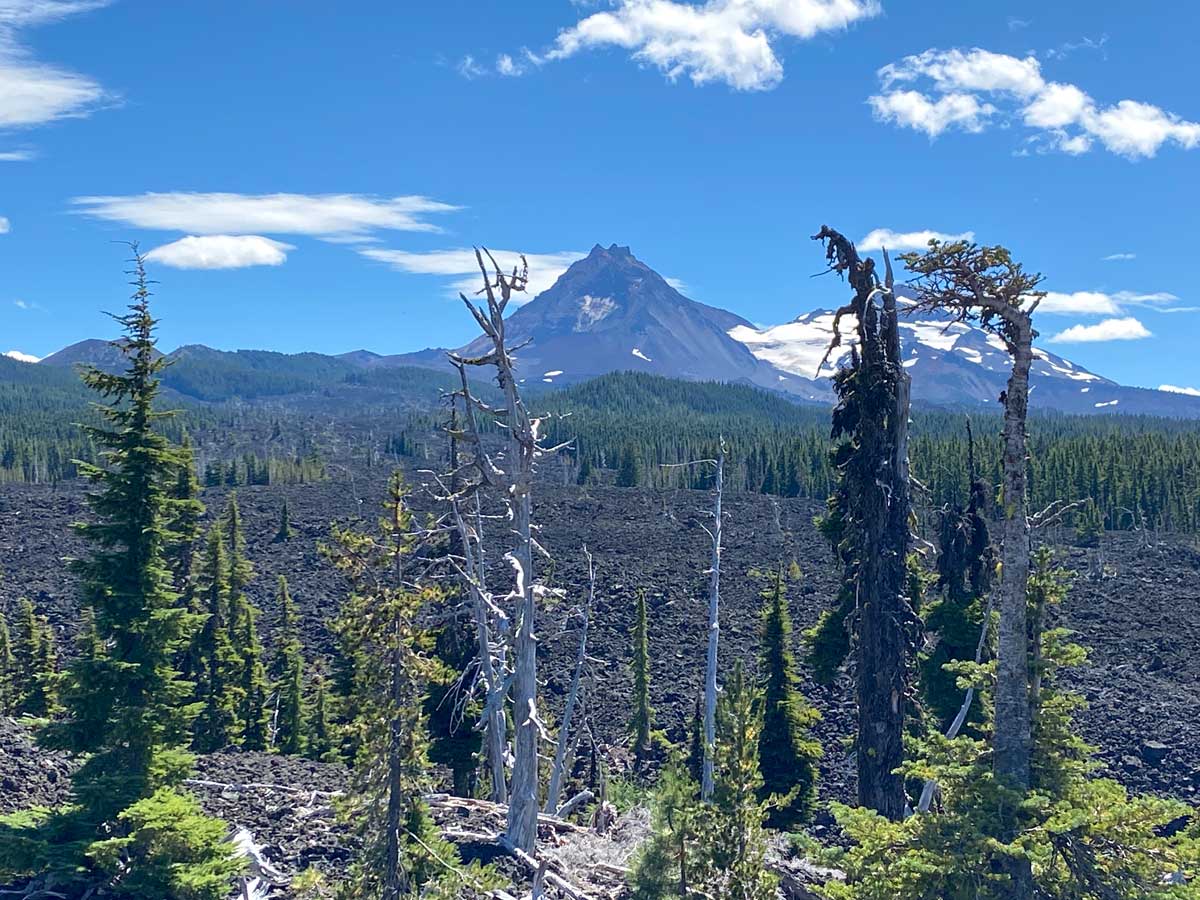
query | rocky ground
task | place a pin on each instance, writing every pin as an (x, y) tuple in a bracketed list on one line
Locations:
[(1140, 623)]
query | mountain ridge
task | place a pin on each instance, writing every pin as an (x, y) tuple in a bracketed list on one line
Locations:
[(611, 312)]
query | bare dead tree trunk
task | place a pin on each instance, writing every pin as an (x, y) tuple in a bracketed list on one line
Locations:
[(714, 634), (558, 772), (514, 483)]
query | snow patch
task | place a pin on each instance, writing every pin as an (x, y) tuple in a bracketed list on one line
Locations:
[(640, 355), (553, 374), (592, 310), (1106, 403), (21, 357), (1176, 389)]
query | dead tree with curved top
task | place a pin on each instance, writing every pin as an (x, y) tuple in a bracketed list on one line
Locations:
[(869, 524)]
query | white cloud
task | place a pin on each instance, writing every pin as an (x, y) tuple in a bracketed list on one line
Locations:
[(1179, 309), (974, 89), (908, 240), (35, 92), (1128, 329), (21, 357), (1100, 303), (1080, 303), (729, 41), (220, 251), (5, 225), (544, 268), (349, 217), (912, 109), (469, 69), (16, 155), (25, 304), (1175, 389), (1118, 257)]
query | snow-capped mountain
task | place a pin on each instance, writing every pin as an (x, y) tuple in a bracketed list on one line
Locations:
[(951, 363)]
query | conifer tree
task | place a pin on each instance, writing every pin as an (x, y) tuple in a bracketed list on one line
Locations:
[(253, 715), (403, 853), (630, 472), (288, 672), (669, 862), (187, 511), (33, 654), (284, 533), (735, 838), (695, 757), (8, 670), (319, 744), (642, 721), (130, 829), (787, 752), (217, 665)]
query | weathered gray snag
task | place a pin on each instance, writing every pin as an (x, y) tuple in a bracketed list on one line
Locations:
[(714, 619), (514, 483), (985, 285), (875, 508), (558, 773)]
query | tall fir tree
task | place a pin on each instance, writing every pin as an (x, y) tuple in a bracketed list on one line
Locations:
[(403, 854), (284, 532), (319, 742), (186, 513), (787, 752), (130, 830), (630, 472), (695, 756), (33, 658), (251, 677), (217, 665), (288, 672)]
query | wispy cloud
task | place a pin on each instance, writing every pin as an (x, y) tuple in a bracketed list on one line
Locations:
[(908, 240), (1176, 389), (727, 41), (340, 217), (1128, 329), (1100, 303), (1015, 24), (460, 266), (220, 251), (5, 225), (25, 304), (1118, 257), (973, 90), (1065, 49), (16, 155), (36, 92), (469, 69)]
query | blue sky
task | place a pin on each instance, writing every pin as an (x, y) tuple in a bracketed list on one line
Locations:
[(303, 173)]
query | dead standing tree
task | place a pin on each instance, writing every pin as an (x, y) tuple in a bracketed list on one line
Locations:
[(714, 618), (869, 522), (984, 285), (514, 483)]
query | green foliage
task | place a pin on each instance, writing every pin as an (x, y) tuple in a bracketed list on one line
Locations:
[(630, 472), (966, 565), (287, 670), (379, 628), (285, 524), (1085, 838), (695, 755), (126, 711), (450, 713), (250, 676), (34, 662), (167, 848), (1089, 526), (715, 850), (319, 741), (665, 864), (215, 662), (787, 753)]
